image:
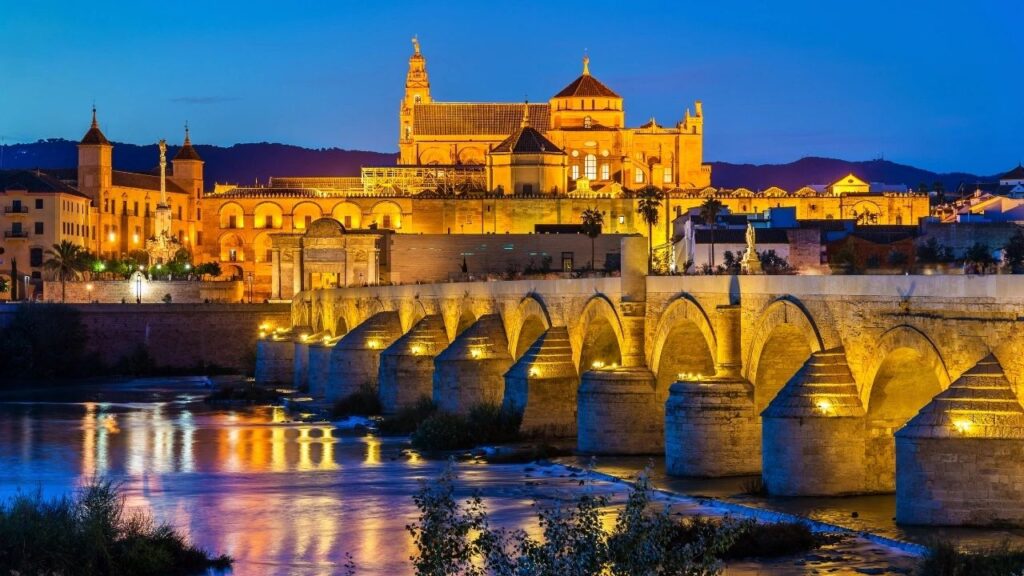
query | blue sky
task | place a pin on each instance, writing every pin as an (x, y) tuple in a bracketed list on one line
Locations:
[(934, 84)]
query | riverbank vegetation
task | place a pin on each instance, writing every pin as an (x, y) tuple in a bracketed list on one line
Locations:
[(362, 402), (454, 538), (407, 420), (92, 533), (946, 559), (484, 424)]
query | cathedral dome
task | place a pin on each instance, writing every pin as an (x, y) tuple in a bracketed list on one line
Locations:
[(586, 86)]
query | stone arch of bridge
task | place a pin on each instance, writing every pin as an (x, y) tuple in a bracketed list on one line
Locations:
[(597, 336), (410, 313), (684, 342), (458, 315), (785, 336), (317, 323), (530, 322), (907, 371)]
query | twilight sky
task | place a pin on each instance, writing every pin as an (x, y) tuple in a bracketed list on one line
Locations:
[(936, 84)]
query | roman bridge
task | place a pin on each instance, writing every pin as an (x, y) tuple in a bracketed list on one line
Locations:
[(825, 385)]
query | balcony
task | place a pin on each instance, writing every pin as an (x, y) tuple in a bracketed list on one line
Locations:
[(15, 234), (15, 209)]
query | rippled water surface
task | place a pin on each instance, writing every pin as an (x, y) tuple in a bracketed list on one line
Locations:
[(281, 497)]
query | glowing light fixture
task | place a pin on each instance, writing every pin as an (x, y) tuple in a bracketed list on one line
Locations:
[(417, 350), (825, 406), (474, 352), (262, 334), (962, 425), (304, 337), (373, 344), (534, 372), (597, 365)]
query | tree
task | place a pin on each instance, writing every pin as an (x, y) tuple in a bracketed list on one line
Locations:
[(66, 262), (592, 221), (4, 286), (211, 269), (1013, 252), (648, 205), (709, 211)]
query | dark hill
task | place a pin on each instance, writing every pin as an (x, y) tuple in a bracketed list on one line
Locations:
[(241, 163), (812, 170), (246, 163)]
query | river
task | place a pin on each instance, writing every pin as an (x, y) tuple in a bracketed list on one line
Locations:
[(281, 497)]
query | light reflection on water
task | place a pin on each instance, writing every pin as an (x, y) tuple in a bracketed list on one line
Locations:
[(281, 497)]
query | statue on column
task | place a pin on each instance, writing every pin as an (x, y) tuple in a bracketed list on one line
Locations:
[(751, 263), (163, 245)]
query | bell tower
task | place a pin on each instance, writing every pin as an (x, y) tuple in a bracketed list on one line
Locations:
[(417, 91)]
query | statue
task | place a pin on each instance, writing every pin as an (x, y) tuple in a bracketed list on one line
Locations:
[(163, 245), (751, 263)]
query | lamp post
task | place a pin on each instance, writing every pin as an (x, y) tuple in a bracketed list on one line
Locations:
[(26, 277), (250, 277), (138, 288)]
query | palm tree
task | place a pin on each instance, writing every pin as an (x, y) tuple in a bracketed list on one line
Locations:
[(709, 211), (65, 261), (592, 220), (648, 203)]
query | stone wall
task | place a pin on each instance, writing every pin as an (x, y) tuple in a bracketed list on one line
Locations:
[(176, 335), (117, 291), (427, 258)]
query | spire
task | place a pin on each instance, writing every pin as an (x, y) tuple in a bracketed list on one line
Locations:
[(526, 115), (188, 142), (95, 136), (187, 152), (586, 64)]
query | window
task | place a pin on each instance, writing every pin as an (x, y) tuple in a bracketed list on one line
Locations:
[(233, 254), (606, 172), (39, 203), (575, 171), (35, 257), (135, 209), (386, 221), (39, 227), (590, 166), (233, 221), (16, 228), (587, 122), (417, 98), (348, 222), (638, 176), (668, 175), (179, 212), (566, 261), (16, 205)]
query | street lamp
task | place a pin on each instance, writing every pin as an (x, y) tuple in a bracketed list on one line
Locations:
[(138, 288), (26, 287)]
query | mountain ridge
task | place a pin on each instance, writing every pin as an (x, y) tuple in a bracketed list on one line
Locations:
[(254, 162)]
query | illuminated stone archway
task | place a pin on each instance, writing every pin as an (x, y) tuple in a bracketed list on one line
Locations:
[(598, 340), (684, 342), (908, 372), (785, 337), (532, 321)]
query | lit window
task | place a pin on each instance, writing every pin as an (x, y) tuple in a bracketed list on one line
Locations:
[(575, 171), (668, 174), (638, 176), (605, 172), (587, 122), (590, 166)]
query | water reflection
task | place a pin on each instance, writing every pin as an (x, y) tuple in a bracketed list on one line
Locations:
[(281, 497)]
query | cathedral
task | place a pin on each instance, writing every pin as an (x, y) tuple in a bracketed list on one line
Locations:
[(576, 142)]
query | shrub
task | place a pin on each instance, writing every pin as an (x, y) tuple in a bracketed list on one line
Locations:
[(492, 424), (752, 539), (442, 431), (945, 559), (362, 402), (408, 419), (91, 533)]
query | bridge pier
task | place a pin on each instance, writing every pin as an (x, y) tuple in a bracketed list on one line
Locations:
[(300, 370), (960, 460), (543, 384), (407, 366), (813, 435), (471, 370), (275, 358), (711, 425), (319, 367), (355, 359), (619, 412)]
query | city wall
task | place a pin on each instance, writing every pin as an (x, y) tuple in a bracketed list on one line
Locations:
[(118, 291)]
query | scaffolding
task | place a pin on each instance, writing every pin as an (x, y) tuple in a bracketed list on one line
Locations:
[(409, 180)]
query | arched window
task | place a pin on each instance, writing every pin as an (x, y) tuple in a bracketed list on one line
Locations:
[(587, 122), (590, 167), (575, 171)]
